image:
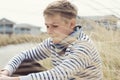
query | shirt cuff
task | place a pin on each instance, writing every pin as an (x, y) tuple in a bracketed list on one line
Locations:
[(28, 77)]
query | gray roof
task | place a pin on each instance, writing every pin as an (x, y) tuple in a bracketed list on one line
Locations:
[(6, 21), (98, 17), (24, 25)]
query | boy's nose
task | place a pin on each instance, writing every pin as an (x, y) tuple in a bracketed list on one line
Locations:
[(50, 30)]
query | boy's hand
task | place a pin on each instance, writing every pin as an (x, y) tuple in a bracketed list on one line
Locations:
[(3, 77), (4, 72)]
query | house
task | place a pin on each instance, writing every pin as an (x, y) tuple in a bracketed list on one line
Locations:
[(9, 27), (118, 23), (6, 26), (27, 29), (84, 22), (110, 22)]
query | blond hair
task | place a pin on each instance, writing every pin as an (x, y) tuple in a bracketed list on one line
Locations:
[(63, 7)]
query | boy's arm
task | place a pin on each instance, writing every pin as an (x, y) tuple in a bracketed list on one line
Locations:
[(3, 77), (38, 53)]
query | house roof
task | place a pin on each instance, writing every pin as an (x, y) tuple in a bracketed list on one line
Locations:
[(24, 25), (99, 17), (6, 21)]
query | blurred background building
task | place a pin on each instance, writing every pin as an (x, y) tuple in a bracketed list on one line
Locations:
[(6, 26), (10, 27), (110, 22), (26, 29)]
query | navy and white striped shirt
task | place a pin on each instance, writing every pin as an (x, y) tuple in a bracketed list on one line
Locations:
[(81, 61)]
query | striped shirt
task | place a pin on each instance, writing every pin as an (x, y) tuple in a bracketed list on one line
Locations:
[(81, 61)]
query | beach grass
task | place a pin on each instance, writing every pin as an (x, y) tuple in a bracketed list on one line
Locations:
[(24, 38)]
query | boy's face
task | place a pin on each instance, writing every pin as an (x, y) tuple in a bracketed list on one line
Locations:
[(57, 28)]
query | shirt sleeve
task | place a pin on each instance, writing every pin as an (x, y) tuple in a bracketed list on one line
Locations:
[(74, 62), (37, 53)]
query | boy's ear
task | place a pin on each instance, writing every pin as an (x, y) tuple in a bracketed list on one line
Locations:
[(73, 23)]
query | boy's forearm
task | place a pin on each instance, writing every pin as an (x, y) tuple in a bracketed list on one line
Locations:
[(15, 78), (3, 77)]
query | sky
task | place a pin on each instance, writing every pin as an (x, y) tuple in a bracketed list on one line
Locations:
[(31, 11)]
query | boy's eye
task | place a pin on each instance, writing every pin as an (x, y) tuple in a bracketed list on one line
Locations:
[(55, 26), (47, 26)]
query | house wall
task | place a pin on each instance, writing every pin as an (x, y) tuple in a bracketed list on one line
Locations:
[(6, 28), (26, 30), (21, 30), (118, 24), (35, 31)]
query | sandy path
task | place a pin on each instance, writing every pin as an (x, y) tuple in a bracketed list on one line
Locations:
[(9, 51)]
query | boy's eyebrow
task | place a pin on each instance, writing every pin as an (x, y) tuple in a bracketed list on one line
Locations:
[(52, 24), (55, 24)]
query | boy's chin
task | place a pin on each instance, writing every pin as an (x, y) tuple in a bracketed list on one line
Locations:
[(56, 41)]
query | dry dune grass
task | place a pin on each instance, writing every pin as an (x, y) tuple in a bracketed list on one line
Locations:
[(108, 44), (16, 39)]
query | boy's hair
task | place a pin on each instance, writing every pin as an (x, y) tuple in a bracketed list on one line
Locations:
[(63, 7)]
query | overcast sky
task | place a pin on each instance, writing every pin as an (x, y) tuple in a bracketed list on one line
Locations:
[(30, 11)]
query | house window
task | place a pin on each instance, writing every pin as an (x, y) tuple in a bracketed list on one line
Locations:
[(1, 28), (25, 29), (9, 27), (1, 25)]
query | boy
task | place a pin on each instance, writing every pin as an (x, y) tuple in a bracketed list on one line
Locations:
[(73, 54)]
